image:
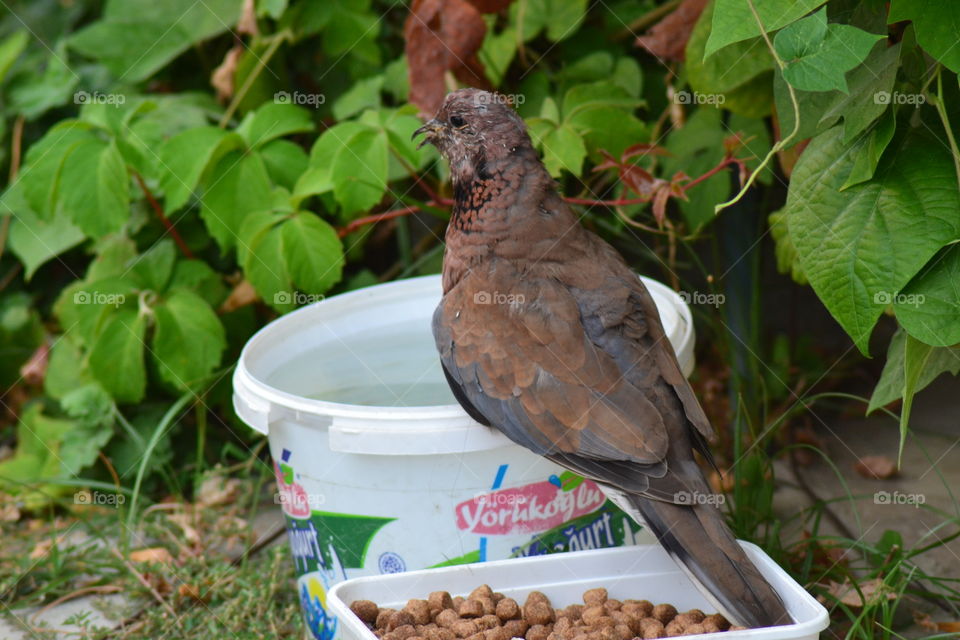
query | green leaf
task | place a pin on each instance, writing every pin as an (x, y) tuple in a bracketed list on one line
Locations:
[(189, 340), (198, 277), (94, 188), (363, 94), (870, 85), (869, 153), (937, 24), (116, 359), (733, 21), (10, 49), (497, 51), (65, 369), (136, 38), (817, 55), (153, 269), (788, 262), (563, 148), (359, 170), (285, 162), (237, 185), (891, 385), (313, 252), (32, 94), (263, 259), (185, 157), (115, 254), (916, 358), (739, 74), (627, 74), (929, 307), (40, 177), (563, 18), (91, 408), (274, 120), (37, 456), (32, 239), (595, 95), (696, 148), (860, 246)]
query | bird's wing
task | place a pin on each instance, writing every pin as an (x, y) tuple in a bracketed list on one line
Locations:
[(527, 358)]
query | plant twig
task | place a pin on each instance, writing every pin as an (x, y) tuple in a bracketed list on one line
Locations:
[(646, 20), (276, 41), (164, 220), (780, 144), (945, 119)]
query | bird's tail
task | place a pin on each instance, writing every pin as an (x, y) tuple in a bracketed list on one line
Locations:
[(699, 539)]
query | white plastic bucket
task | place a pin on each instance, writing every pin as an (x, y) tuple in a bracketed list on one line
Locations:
[(645, 572), (380, 471)]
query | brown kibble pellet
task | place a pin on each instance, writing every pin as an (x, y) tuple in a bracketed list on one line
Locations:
[(438, 633), (416, 638), (664, 612), (497, 633), (736, 627), (419, 609), (516, 628), (399, 619), (497, 596), (488, 603), (446, 618), (465, 628), (537, 632), (470, 609), (403, 632), (624, 632), (595, 596), (593, 613), (483, 591), (639, 608), (574, 612), (612, 605), (675, 628), (383, 617), (563, 623), (508, 609), (366, 610), (535, 597), (686, 619), (440, 600), (652, 628), (477, 636), (696, 615), (694, 629), (718, 621), (609, 633), (457, 602), (538, 613), (488, 621)]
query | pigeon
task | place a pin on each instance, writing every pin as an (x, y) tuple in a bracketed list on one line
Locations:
[(546, 334)]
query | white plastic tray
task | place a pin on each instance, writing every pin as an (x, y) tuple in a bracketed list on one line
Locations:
[(642, 572)]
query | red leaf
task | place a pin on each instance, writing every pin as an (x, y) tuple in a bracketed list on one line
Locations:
[(639, 180), (442, 36), (609, 163), (490, 6), (668, 38), (660, 204), (643, 149)]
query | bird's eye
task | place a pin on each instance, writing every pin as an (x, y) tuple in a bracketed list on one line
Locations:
[(457, 121)]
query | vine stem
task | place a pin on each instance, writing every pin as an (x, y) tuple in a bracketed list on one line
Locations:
[(164, 220), (945, 119), (262, 62), (780, 144), (15, 147)]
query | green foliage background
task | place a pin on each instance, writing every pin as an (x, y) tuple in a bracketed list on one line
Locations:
[(149, 229)]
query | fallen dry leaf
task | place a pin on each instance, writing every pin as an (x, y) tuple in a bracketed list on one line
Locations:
[(442, 36), (217, 490), (876, 467), (248, 19), (240, 296), (222, 76), (153, 555), (185, 522), (667, 39), (871, 590), (191, 591)]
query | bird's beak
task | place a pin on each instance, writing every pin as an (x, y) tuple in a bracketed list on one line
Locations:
[(431, 129)]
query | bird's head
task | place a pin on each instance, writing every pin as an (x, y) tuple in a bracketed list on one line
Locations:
[(472, 128)]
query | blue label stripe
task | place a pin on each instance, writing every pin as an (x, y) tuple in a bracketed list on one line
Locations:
[(497, 482)]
